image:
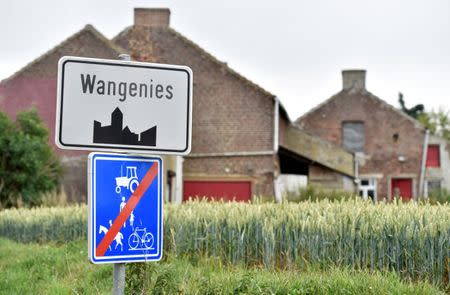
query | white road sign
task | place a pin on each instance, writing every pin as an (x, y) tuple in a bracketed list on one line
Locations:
[(123, 106)]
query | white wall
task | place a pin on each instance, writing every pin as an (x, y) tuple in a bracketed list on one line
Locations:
[(290, 183), (443, 172)]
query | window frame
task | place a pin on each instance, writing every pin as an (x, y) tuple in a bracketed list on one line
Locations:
[(426, 190), (363, 145), (372, 185)]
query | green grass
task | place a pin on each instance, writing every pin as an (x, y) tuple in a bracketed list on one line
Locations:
[(411, 239), (212, 277), (316, 193), (64, 269), (51, 269)]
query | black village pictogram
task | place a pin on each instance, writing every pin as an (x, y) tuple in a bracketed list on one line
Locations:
[(116, 134)]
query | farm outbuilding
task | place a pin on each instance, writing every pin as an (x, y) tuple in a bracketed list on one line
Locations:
[(394, 154)]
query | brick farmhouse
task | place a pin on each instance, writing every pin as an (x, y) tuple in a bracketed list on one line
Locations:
[(243, 143), (394, 154)]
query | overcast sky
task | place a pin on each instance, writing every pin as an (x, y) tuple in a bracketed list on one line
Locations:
[(294, 49)]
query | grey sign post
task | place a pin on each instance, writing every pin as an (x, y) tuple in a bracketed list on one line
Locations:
[(119, 268)]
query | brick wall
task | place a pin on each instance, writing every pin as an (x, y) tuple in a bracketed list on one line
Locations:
[(282, 129), (388, 134), (230, 114), (74, 182), (35, 86), (325, 178), (257, 169)]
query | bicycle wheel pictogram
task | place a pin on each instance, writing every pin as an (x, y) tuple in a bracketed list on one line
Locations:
[(133, 241), (140, 239), (147, 240)]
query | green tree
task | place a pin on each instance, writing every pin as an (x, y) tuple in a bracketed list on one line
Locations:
[(438, 122), (28, 166), (415, 112)]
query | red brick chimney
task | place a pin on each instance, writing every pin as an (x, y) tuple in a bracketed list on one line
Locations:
[(152, 17), (354, 79)]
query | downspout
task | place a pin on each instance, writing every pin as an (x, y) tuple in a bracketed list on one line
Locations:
[(356, 171), (276, 127), (424, 159), (179, 180), (276, 123)]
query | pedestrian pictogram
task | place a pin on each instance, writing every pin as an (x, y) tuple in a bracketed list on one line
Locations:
[(125, 208)]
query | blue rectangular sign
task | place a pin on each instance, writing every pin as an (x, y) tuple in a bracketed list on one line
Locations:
[(125, 208)]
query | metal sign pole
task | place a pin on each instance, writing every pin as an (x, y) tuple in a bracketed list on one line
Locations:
[(119, 268), (119, 279)]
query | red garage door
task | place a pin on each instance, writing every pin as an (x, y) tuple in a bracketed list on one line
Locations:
[(218, 190), (401, 187)]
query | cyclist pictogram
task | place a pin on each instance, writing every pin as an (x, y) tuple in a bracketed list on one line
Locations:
[(140, 239)]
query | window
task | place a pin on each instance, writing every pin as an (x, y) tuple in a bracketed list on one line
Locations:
[(368, 188), (432, 186), (353, 136), (395, 137), (433, 157)]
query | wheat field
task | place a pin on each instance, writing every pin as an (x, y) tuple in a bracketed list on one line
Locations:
[(409, 238)]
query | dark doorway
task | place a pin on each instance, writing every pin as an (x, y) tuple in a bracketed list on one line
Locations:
[(291, 163)]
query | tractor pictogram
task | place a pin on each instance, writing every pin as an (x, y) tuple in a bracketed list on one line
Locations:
[(130, 181)]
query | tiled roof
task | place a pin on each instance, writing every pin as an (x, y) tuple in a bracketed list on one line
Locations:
[(145, 43), (365, 95)]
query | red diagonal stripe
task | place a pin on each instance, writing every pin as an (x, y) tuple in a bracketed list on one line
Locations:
[(126, 211)]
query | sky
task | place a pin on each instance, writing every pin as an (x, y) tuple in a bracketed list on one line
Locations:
[(295, 49)]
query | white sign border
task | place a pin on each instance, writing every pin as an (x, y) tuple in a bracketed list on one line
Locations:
[(118, 147), (91, 208)]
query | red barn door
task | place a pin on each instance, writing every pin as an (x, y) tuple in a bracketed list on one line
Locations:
[(401, 187)]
